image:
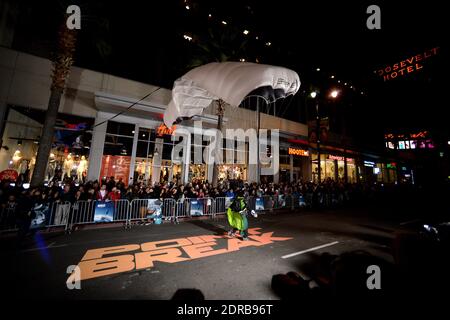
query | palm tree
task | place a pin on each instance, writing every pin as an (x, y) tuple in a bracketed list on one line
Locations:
[(61, 68), (218, 45), (97, 22)]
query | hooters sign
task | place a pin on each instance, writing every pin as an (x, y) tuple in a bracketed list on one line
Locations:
[(124, 258)]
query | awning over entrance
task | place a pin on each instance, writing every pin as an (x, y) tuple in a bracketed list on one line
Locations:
[(115, 104)]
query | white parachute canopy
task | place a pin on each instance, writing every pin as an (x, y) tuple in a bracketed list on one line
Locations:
[(230, 81)]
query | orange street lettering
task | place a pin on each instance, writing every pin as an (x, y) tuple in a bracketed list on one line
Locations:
[(107, 261)]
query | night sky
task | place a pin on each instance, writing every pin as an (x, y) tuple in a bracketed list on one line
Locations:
[(144, 41)]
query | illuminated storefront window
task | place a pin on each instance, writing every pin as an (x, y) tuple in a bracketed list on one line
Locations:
[(351, 172), (235, 161), (198, 170), (117, 151), (153, 161), (327, 168), (333, 167), (69, 155), (391, 172), (409, 141)]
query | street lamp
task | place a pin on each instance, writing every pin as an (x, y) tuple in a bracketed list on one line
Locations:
[(333, 94)]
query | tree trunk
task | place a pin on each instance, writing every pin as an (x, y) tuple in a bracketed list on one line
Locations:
[(46, 140), (61, 69), (220, 110)]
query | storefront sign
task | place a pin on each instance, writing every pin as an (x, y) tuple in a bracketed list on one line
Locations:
[(163, 130), (369, 164), (9, 174), (406, 66), (339, 158), (102, 262), (298, 152)]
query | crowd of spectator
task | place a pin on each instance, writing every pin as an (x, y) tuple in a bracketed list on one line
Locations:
[(110, 189), (18, 201)]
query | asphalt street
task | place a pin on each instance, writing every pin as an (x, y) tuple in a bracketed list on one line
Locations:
[(280, 243)]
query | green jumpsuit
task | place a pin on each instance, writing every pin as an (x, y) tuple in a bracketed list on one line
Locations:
[(235, 219)]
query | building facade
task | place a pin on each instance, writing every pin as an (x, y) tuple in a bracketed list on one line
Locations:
[(95, 137)]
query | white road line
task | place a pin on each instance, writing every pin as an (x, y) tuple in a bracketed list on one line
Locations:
[(409, 222), (43, 248), (309, 250)]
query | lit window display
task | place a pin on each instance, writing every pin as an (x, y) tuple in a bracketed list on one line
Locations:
[(327, 168), (153, 161), (333, 167), (69, 153), (351, 172), (410, 141), (117, 151), (378, 172), (341, 169), (197, 172), (229, 172)]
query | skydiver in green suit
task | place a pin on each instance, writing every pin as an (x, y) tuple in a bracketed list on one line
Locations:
[(237, 216)]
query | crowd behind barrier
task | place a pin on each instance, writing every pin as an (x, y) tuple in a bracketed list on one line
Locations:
[(68, 204)]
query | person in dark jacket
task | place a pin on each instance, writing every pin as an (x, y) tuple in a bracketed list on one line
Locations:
[(25, 215), (67, 195)]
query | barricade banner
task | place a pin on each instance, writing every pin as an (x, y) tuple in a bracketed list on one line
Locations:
[(154, 210), (228, 201), (41, 215), (281, 201), (301, 201), (259, 205), (104, 211), (197, 206)]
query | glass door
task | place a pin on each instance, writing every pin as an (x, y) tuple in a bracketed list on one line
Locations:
[(144, 156)]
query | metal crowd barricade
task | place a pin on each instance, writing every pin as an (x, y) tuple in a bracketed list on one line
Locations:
[(220, 205), (270, 202), (183, 208), (121, 210), (251, 203), (168, 209), (82, 213), (295, 201), (261, 204), (208, 207), (138, 210), (8, 219), (63, 214), (309, 199), (178, 209), (189, 207), (59, 214)]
